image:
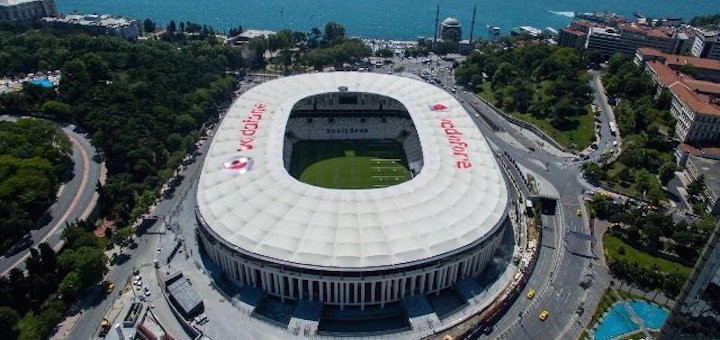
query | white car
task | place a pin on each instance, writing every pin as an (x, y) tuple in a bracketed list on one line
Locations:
[(614, 143)]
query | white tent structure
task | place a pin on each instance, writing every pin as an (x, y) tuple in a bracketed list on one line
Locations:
[(350, 247)]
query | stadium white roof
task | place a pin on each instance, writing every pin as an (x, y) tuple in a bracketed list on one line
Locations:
[(267, 212)]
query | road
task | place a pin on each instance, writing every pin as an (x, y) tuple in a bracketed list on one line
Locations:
[(94, 305), (74, 201)]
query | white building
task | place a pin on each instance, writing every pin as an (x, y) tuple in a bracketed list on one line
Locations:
[(26, 10), (706, 44), (350, 248)]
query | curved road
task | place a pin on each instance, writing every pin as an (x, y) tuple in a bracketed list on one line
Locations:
[(76, 199)]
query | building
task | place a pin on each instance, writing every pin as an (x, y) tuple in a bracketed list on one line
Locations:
[(706, 44), (695, 102), (350, 248), (696, 314), (95, 24), (573, 38), (450, 30), (606, 40), (26, 10), (710, 170)]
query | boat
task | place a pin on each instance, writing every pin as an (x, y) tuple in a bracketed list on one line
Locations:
[(494, 30), (529, 30), (552, 30)]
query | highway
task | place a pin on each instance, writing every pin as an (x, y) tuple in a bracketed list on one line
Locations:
[(74, 201)]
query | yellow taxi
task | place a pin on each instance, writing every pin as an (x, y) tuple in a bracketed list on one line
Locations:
[(531, 294), (109, 287), (544, 315)]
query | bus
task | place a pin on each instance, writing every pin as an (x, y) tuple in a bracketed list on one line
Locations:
[(613, 130)]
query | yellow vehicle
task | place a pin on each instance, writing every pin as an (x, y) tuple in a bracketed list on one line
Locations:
[(109, 287), (531, 294), (578, 212), (104, 327), (544, 315)]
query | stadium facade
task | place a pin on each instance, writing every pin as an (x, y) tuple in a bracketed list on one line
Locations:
[(350, 247)]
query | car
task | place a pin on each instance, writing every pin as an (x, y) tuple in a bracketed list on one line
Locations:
[(147, 293), (578, 212), (109, 287), (487, 330), (614, 143), (531, 294), (544, 315)]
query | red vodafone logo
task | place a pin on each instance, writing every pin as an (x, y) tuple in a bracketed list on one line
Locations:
[(239, 164), (439, 107)]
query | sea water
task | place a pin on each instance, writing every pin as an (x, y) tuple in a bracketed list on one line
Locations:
[(383, 19)]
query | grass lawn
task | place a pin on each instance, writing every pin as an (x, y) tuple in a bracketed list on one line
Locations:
[(580, 130), (611, 244), (349, 164)]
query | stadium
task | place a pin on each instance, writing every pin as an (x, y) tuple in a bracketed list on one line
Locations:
[(354, 190)]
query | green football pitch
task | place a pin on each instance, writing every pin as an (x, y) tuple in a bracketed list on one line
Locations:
[(353, 164)]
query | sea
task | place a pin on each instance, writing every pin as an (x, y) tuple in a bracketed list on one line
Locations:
[(382, 19)]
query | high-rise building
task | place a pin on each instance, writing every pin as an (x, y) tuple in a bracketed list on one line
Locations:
[(696, 314)]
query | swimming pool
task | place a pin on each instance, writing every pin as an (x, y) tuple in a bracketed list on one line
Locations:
[(653, 316), (42, 82), (617, 321)]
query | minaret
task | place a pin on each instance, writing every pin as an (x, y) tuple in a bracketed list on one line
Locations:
[(472, 24), (437, 23)]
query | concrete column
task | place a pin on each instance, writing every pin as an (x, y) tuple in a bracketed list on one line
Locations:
[(263, 280), (383, 291), (372, 291), (422, 284), (321, 288), (346, 289), (413, 280), (362, 295), (402, 287), (300, 289), (357, 292), (431, 280), (282, 287)]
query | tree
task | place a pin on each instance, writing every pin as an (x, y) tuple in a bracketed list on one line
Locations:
[(87, 262), (593, 172), (696, 187), (171, 27), (58, 109), (148, 25), (666, 172), (333, 32), (70, 286), (8, 318), (384, 53)]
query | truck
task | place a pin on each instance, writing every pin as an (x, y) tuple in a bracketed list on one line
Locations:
[(529, 207)]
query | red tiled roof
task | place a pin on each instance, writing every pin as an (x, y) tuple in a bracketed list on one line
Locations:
[(574, 32), (675, 59), (696, 150), (697, 102)]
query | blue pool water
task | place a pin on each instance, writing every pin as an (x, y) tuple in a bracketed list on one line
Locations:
[(618, 321), (42, 82), (652, 315)]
